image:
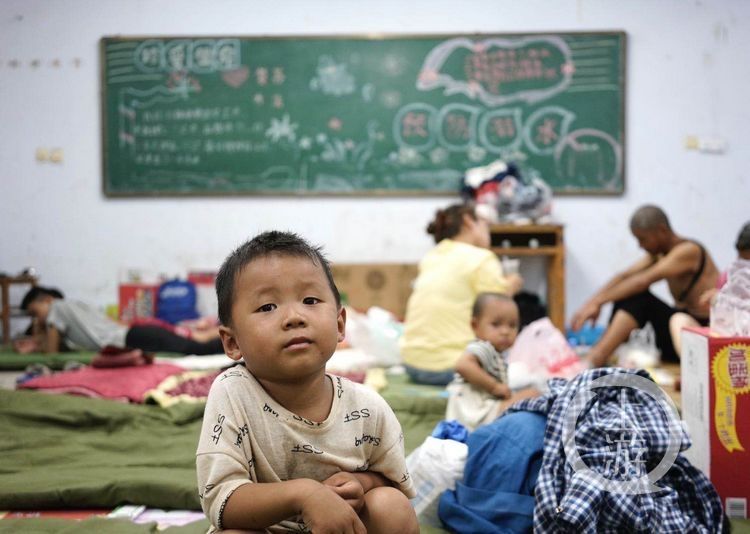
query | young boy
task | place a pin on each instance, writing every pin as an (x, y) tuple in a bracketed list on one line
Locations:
[(81, 327), (284, 446), (480, 382)]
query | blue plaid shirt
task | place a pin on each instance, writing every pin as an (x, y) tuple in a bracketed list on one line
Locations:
[(621, 434)]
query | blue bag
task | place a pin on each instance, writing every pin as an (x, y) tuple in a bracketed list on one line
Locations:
[(176, 301)]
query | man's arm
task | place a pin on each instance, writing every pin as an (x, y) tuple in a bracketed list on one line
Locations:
[(52, 340), (590, 310), (680, 260)]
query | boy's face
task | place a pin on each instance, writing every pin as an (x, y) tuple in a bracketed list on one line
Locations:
[(39, 308), (285, 321), (498, 323)]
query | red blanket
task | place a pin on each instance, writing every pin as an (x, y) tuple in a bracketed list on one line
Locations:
[(121, 383)]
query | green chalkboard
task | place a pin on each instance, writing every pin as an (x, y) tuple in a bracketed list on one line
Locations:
[(360, 115)]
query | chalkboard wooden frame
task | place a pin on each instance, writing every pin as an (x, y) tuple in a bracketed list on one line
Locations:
[(598, 142)]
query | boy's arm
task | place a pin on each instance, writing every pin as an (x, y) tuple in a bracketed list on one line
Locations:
[(257, 506), (468, 367), (615, 286)]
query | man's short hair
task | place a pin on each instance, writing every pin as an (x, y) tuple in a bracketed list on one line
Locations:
[(743, 240), (38, 292), (481, 301), (261, 246), (649, 217)]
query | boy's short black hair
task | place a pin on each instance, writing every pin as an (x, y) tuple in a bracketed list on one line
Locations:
[(37, 292), (481, 301), (262, 245)]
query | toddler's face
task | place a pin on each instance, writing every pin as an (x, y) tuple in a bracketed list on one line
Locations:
[(498, 323), (285, 320)]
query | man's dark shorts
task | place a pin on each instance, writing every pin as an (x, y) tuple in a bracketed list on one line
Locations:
[(646, 308)]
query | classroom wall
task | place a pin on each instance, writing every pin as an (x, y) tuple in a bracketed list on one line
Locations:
[(687, 68)]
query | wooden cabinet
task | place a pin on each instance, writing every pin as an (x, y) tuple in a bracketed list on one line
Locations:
[(544, 240), (9, 310)]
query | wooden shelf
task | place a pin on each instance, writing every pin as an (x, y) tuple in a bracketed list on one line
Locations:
[(544, 240), (525, 251), (7, 310)]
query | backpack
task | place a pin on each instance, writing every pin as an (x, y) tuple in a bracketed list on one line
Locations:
[(176, 301)]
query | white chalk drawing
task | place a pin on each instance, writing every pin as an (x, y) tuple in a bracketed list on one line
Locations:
[(390, 99), (457, 126), (132, 100), (199, 56), (413, 126), (364, 150), (408, 156), (282, 129), (439, 155), (177, 55), (305, 143), (431, 77), (393, 65), (500, 125), (476, 153), (589, 156), (332, 78), (546, 128), (368, 92)]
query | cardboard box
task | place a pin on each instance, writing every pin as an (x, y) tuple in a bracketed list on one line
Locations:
[(716, 408), (137, 301), (386, 285)]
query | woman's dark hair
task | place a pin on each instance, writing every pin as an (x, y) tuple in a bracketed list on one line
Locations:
[(448, 221), (743, 240), (37, 292)]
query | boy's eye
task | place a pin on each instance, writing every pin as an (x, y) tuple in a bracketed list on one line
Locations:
[(267, 308), (311, 300)]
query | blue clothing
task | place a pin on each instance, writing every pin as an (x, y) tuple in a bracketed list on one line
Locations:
[(432, 378), (617, 426), (496, 494)]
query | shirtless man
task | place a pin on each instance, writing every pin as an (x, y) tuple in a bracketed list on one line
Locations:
[(684, 264)]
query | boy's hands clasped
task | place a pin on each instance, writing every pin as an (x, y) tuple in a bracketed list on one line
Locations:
[(333, 506), (348, 487)]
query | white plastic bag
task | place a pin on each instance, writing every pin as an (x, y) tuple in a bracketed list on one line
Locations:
[(640, 351), (376, 333), (435, 466), (730, 310), (545, 351)]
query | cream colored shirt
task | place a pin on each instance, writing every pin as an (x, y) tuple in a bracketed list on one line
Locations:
[(437, 327), (248, 437)]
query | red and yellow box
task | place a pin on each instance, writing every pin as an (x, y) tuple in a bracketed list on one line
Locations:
[(716, 409), (137, 301)]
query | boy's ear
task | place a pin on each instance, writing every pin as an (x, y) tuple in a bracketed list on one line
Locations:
[(341, 320), (231, 348), (473, 323)]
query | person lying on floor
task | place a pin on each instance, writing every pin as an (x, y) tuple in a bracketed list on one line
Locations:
[(81, 327), (687, 268)]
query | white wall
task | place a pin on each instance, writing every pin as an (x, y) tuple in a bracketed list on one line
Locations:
[(688, 65)]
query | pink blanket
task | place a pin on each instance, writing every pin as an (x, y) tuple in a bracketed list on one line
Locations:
[(121, 383)]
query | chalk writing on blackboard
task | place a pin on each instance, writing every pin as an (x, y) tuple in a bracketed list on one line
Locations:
[(352, 115)]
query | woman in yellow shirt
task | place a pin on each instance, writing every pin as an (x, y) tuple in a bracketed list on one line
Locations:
[(438, 315)]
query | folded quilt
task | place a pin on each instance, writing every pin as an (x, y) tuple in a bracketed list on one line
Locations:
[(121, 383)]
